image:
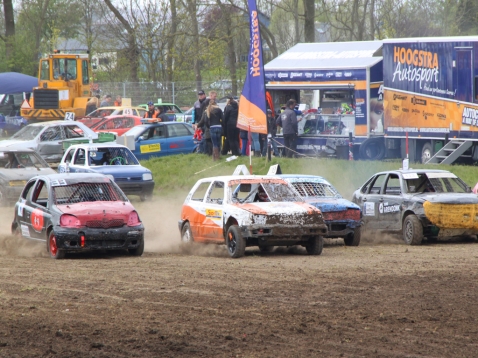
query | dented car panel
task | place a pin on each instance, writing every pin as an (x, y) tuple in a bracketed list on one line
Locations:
[(442, 202), (77, 212), (341, 216), (266, 211)]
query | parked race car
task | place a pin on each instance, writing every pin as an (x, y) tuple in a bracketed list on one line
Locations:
[(100, 114), (16, 168), (46, 138), (158, 139), (110, 159), (342, 217), (76, 213), (418, 204), (116, 124), (248, 210)]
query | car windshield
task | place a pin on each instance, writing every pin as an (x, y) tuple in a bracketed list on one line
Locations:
[(86, 192), (268, 191), (436, 183), (315, 189), (15, 160), (112, 156), (27, 133)]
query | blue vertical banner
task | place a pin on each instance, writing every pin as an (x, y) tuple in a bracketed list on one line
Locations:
[(252, 103)]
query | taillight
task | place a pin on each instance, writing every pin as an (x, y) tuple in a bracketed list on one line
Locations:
[(67, 220), (82, 240), (133, 219)]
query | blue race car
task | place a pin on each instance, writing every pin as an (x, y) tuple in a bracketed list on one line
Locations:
[(158, 139), (343, 218), (110, 159)]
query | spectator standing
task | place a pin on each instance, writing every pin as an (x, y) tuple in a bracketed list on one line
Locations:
[(272, 130), (198, 111), (91, 105), (150, 113), (118, 101), (159, 112), (230, 124), (106, 101), (205, 146), (256, 144), (244, 135), (205, 104), (290, 128), (215, 122)]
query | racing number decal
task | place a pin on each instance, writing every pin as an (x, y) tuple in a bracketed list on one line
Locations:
[(37, 220), (150, 148)]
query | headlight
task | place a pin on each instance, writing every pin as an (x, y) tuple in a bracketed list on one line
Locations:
[(147, 176)]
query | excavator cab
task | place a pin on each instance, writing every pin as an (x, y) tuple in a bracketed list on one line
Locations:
[(64, 86)]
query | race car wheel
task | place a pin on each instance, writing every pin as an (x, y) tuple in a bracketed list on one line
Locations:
[(138, 251), (315, 245), (236, 244), (55, 252), (412, 230), (186, 234), (353, 239)]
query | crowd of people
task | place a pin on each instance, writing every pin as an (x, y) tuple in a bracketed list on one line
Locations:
[(218, 134)]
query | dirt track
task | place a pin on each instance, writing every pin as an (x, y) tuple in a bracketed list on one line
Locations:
[(381, 299)]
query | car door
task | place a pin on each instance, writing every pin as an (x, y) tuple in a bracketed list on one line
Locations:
[(23, 213), (389, 209), (78, 164), (213, 207), (194, 211), (180, 139), (36, 211), (50, 145), (153, 143), (68, 158), (372, 196)]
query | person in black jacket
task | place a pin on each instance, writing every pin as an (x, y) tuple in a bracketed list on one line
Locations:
[(272, 130), (230, 123), (290, 128), (215, 122)]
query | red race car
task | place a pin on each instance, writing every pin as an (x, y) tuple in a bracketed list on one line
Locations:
[(116, 124), (76, 212)]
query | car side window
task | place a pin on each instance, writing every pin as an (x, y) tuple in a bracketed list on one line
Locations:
[(393, 185), (200, 191), (178, 130), (73, 131), (377, 184), (40, 194), (158, 132), (366, 187), (51, 134), (79, 157), (69, 156), (28, 189), (216, 193)]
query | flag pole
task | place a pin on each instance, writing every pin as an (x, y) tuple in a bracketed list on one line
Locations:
[(250, 149)]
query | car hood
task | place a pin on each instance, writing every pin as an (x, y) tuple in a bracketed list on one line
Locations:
[(98, 210), (24, 173), (120, 170), (14, 143), (331, 204), (449, 198)]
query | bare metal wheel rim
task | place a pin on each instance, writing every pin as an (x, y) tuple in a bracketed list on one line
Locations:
[(409, 231), (186, 236)]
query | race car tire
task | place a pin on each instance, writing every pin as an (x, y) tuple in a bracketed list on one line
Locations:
[(138, 251), (372, 149), (353, 239), (412, 230), (236, 244), (427, 152), (315, 245), (186, 234), (55, 252), (266, 249)]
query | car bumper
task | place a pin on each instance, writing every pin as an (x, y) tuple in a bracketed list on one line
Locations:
[(136, 188), (99, 239), (341, 228), (278, 232)]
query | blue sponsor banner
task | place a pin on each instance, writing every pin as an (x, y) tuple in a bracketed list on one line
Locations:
[(316, 75), (443, 69)]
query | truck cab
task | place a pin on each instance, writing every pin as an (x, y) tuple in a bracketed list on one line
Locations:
[(64, 86)]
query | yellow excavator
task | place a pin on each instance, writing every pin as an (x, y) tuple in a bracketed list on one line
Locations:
[(64, 87)]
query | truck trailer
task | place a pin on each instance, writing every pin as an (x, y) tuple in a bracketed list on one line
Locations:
[(420, 91)]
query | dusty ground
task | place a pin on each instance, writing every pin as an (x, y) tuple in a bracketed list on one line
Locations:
[(381, 299)]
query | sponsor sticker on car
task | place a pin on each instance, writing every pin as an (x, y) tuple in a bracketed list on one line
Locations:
[(150, 148)]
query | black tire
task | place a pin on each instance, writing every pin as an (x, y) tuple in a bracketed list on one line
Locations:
[(266, 249), (138, 251), (427, 152), (315, 245), (55, 252), (372, 149), (236, 244), (412, 230), (186, 234), (353, 239)]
